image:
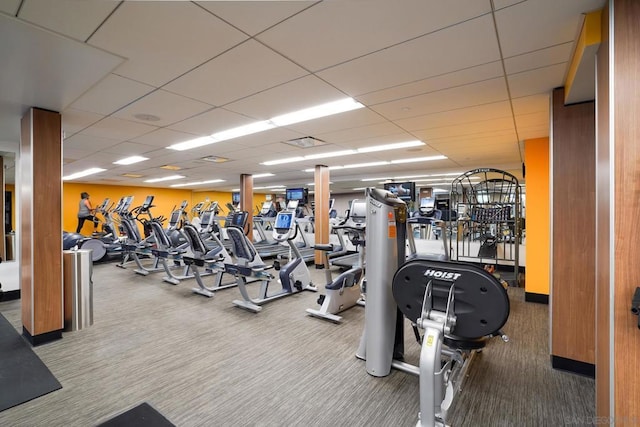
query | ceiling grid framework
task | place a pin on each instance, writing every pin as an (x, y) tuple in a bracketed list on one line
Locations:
[(471, 79)]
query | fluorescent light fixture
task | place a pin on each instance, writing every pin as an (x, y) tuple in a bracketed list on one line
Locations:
[(276, 186), (363, 165), (263, 175), (243, 130), (359, 188), (394, 146), (235, 189), (419, 159), (130, 160), (330, 154), (375, 179), (385, 147), (166, 178), (311, 184), (281, 161), (193, 143), (323, 110), (210, 181), (83, 173)]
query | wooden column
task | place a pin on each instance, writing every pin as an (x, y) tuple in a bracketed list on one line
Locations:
[(618, 201), (3, 232), (321, 214), (246, 201), (573, 236), (41, 225)]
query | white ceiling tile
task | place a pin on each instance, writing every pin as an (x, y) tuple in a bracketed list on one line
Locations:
[(125, 149), (348, 120), (537, 81), (111, 94), (309, 91), (74, 121), (486, 92), (112, 127), (474, 43), (163, 138), (457, 117), (253, 17), (470, 129), (362, 133), (170, 108), (537, 120), (268, 137), (242, 71), (75, 19), (540, 58), (336, 31), (533, 25), (163, 39), (71, 155), (443, 81), (532, 104), (9, 6), (534, 132), (501, 4), (212, 121), (81, 141)]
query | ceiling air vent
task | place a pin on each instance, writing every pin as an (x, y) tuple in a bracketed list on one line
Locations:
[(215, 159), (306, 142)]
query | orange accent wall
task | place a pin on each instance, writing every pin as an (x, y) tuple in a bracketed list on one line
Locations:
[(165, 200), (537, 215)]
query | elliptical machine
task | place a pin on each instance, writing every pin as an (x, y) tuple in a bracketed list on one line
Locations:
[(459, 306), (293, 277)]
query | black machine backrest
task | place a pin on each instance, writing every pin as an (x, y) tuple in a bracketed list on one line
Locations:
[(242, 247), (131, 230), (195, 241), (481, 304), (205, 219), (162, 240)]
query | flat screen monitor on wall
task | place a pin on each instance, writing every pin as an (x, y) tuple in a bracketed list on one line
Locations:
[(299, 194), (404, 190)]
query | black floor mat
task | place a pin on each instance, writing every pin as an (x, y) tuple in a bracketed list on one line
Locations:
[(23, 376), (142, 415)]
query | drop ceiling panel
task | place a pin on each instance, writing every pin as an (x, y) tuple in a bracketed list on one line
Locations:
[(111, 94), (168, 107), (81, 141), (321, 31), (348, 120), (72, 155), (532, 104), (126, 149), (533, 132), (346, 136), (305, 92), (9, 6), (163, 138), (75, 19), (541, 80), (501, 4), (532, 120), (470, 129), (540, 58), (163, 39), (486, 92), (253, 17), (112, 127), (74, 121), (212, 121), (457, 117), (474, 43), (432, 84), (240, 72), (257, 140), (533, 25)]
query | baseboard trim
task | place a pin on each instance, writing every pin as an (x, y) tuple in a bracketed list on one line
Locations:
[(573, 366), (39, 339), (537, 298), (10, 295)]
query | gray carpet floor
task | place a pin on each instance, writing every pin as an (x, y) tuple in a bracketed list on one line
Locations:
[(204, 362)]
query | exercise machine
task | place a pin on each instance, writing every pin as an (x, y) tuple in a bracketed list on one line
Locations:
[(459, 307), (293, 277)]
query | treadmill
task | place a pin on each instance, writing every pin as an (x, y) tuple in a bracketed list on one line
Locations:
[(356, 224)]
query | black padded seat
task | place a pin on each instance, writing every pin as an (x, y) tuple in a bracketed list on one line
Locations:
[(481, 304)]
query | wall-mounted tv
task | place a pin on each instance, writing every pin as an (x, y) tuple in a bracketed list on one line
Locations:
[(404, 190), (235, 198), (299, 194)]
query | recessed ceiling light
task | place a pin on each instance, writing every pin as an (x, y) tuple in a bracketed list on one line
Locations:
[(83, 173), (166, 178), (215, 159), (130, 160), (147, 117), (263, 175)]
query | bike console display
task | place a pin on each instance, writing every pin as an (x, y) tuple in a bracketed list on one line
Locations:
[(283, 226)]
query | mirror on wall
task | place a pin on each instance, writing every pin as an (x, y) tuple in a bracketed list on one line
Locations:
[(8, 205)]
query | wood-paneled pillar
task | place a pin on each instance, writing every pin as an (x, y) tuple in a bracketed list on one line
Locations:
[(41, 225), (618, 204), (321, 214), (246, 201), (573, 235)]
